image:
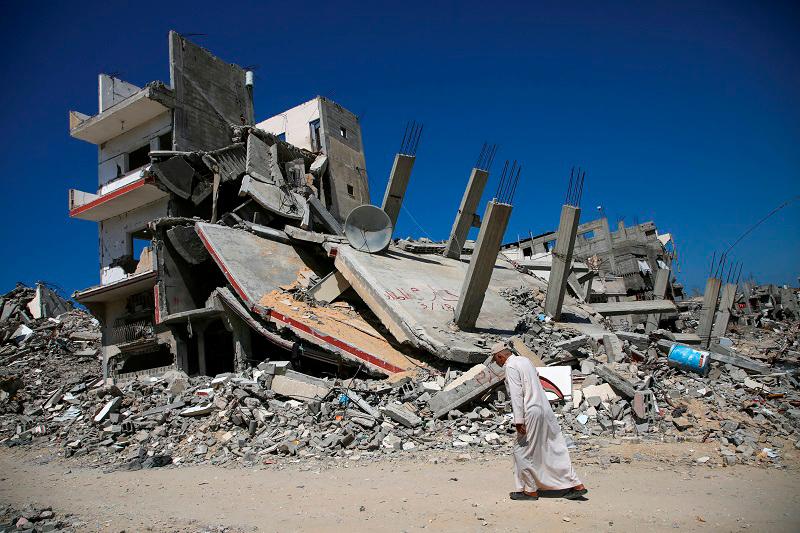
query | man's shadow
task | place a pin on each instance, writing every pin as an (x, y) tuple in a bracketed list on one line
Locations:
[(560, 494)]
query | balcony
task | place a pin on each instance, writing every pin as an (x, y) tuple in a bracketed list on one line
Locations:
[(116, 197), (122, 116)]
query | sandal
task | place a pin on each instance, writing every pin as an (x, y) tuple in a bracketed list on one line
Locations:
[(522, 496)]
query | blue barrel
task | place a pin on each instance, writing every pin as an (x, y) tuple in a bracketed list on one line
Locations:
[(688, 358)]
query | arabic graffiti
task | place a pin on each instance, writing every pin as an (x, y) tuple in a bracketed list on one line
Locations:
[(428, 298)]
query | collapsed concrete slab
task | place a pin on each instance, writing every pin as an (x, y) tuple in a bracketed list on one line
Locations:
[(415, 297), (47, 303), (257, 267), (253, 266), (338, 331)]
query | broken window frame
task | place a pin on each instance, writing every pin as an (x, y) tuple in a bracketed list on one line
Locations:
[(139, 158)]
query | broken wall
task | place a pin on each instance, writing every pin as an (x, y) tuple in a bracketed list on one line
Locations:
[(210, 95), (116, 236), (347, 186), (187, 276), (112, 91), (295, 124)]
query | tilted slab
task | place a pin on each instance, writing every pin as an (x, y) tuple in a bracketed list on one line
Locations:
[(257, 267), (415, 297), (253, 266)]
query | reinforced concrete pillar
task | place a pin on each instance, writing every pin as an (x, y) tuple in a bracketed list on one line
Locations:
[(710, 297), (747, 288), (562, 260), (659, 291), (199, 331), (587, 289), (606, 232), (396, 188), (467, 211), (481, 265), (242, 347), (723, 315)]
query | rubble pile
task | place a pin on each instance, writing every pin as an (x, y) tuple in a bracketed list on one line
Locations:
[(750, 415), (38, 356), (53, 393), (153, 422), (34, 519)]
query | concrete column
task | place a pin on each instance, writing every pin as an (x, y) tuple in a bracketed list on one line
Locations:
[(200, 334), (723, 315), (242, 348), (606, 232), (659, 291), (710, 297), (587, 289), (396, 188), (747, 290), (466, 213), (562, 260), (481, 266)]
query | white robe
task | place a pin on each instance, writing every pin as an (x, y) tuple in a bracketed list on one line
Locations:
[(541, 459)]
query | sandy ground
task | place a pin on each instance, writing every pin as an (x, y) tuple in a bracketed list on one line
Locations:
[(404, 495)]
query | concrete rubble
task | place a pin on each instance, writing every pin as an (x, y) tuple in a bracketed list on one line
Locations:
[(248, 326), (54, 396), (37, 519)]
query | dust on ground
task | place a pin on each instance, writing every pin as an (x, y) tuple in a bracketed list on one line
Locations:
[(657, 490)]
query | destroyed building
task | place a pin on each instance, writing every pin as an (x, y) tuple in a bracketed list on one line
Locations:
[(169, 154), (225, 243), (247, 256), (631, 253), (222, 240)]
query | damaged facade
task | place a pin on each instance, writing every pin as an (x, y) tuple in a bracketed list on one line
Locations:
[(626, 259), (170, 155), (247, 256), (227, 245), (220, 237)]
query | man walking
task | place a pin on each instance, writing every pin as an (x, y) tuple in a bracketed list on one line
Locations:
[(541, 459)]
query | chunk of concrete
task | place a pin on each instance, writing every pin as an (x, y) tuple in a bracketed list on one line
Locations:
[(613, 347), (275, 368), (110, 407), (198, 410), (363, 404), (330, 287), (300, 386), (571, 344), (402, 415), (467, 387), (604, 392)]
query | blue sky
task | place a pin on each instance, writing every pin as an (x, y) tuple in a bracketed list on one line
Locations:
[(685, 113)]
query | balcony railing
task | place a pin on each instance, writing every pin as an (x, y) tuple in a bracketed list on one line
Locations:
[(128, 332)]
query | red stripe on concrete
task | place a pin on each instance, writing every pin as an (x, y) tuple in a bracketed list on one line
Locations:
[(549, 385), (158, 304), (110, 196), (352, 350), (222, 266)]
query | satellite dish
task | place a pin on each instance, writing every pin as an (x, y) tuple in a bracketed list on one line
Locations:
[(368, 229)]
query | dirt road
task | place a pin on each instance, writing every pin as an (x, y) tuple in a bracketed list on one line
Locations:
[(403, 495)]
